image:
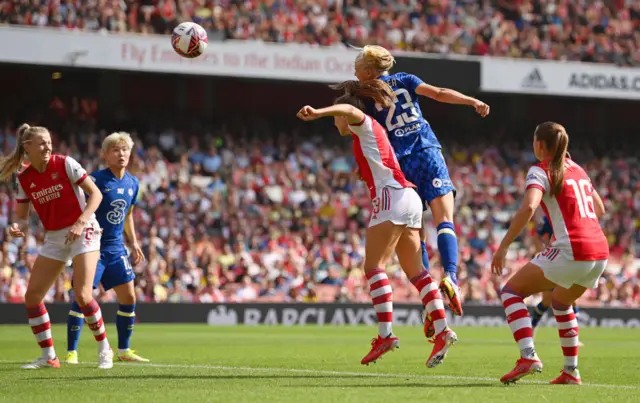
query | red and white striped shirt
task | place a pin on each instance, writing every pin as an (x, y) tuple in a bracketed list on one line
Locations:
[(54, 193), (572, 215), (375, 157)]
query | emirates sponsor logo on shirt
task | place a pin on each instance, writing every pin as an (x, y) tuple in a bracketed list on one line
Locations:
[(46, 195)]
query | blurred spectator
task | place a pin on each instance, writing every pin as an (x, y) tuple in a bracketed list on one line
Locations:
[(578, 30), (288, 223)]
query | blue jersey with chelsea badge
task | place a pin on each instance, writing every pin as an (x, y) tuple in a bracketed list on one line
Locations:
[(118, 196)]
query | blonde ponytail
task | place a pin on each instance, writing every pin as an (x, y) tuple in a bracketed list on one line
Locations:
[(11, 163)]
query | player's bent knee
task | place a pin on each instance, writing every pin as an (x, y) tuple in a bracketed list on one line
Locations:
[(83, 295), (442, 208), (34, 296), (126, 296)]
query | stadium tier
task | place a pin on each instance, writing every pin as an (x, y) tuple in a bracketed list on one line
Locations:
[(587, 31), (240, 202), (267, 210)]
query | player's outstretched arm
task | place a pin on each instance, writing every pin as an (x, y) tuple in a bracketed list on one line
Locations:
[(353, 114), (450, 96)]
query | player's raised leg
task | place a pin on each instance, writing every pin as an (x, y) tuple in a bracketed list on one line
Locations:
[(125, 322), (442, 209), (84, 267), (381, 241), (438, 191), (43, 274), (409, 255)]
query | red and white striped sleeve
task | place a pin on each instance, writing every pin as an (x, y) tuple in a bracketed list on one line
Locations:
[(537, 178), (75, 171)]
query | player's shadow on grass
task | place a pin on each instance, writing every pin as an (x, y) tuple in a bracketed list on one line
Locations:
[(187, 377), (397, 385), (274, 377)]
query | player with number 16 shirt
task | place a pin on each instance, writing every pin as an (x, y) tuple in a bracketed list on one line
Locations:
[(120, 192), (574, 260)]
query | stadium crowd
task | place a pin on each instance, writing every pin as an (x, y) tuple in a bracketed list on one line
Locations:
[(584, 30), (226, 217)]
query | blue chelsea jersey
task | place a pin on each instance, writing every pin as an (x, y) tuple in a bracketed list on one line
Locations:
[(118, 195), (407, 128), (544, 228)]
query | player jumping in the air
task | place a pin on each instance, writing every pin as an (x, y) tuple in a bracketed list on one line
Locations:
[(573, 262), (56, 185), (543, 234), (396, 217), (120, 192), (419, 154)]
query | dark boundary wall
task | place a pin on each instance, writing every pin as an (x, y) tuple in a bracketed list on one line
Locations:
[(314, 314)]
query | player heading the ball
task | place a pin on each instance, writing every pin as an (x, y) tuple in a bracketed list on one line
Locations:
[(396, 217)]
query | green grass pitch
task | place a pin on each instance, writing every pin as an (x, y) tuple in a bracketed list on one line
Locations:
[(198, 363)]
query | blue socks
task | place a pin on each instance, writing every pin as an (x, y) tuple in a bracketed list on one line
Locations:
[(74, 326), (425, 255), (124, 323), (448, 247), (538, 313)]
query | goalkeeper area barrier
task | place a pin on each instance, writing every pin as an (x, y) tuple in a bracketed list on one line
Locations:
[(327, 314)]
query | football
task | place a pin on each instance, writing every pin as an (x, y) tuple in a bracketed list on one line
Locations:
[(189, 40)]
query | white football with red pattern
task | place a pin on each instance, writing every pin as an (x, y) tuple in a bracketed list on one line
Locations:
[(189, 40)]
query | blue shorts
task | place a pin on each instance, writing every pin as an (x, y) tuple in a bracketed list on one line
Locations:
[(427, 170), (113, 269)]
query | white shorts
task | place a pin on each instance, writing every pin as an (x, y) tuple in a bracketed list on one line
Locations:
[(400, 206), (559, 267), (55, 247)]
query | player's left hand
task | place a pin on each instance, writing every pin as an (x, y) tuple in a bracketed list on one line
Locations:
[(481, 108), (138, 255), (75, 231), (308, 113), (498, 262)]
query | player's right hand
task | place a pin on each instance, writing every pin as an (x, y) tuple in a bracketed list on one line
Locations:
[(138, 254), (307, 113), (15, 231), (481, 108), (75, 231)]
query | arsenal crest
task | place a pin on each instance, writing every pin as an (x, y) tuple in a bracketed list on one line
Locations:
[(54, 176)]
